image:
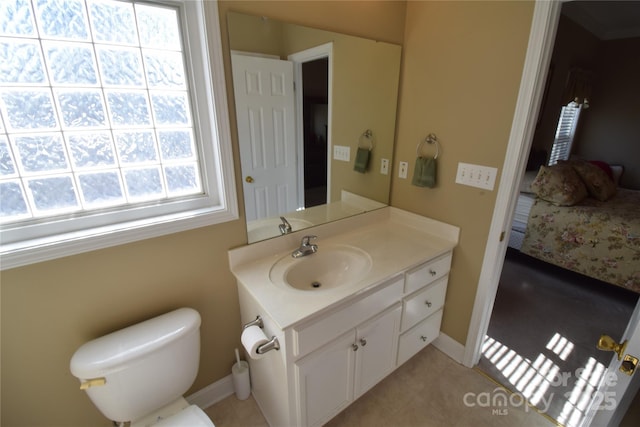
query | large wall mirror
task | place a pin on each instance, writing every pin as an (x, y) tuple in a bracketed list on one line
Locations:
[(316, 117)]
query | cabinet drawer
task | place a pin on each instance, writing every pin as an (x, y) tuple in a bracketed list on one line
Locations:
[(427, 273), (418, 337), (424, 303), (312, 335)]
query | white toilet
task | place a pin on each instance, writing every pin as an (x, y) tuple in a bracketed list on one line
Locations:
[(138, 374)]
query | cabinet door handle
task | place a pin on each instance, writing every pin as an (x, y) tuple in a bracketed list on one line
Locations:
[(363, 342), (423, 338), (428, 303), (432, 272), (354, 347)]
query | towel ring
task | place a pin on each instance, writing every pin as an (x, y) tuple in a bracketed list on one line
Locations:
[(369, 137), (430, 139)]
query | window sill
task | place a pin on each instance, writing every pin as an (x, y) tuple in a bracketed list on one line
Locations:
[(45, 249)]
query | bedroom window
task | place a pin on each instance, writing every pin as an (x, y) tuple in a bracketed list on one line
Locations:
[(104, 138), (565, 132)]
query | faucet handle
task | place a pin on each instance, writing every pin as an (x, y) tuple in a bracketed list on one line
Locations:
[(306, 240), (285, 227)]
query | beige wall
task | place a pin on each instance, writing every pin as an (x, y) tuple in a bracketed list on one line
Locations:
[(462, 63), (609, 130), (462, 66), (49, 309), (574, 47)]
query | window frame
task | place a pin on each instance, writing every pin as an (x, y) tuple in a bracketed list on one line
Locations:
[(27, 244)]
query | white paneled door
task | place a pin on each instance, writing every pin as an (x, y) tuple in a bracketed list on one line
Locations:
[(264, 95)]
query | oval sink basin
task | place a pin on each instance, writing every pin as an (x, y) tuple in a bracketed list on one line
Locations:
[(329, 268)]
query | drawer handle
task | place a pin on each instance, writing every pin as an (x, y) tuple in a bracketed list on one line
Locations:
[(428, 303), (354, 347), (363, 342), (432, 272), (423, 338)]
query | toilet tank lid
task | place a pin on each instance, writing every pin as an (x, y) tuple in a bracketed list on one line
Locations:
[(103, 355)]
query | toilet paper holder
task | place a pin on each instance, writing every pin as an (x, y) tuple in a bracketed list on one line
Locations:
[(272, 344), (257, 322)]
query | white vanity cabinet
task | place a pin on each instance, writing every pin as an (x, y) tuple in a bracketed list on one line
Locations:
[(422, 309), (337, 343), (330, 378)]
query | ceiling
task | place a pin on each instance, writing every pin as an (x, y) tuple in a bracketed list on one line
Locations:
[(607, 20)]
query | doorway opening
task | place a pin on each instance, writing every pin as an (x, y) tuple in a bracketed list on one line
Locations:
[(313, 81), (541, 338), (315, 123)]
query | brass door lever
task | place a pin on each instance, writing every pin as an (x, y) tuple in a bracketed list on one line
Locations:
[(607, 343)]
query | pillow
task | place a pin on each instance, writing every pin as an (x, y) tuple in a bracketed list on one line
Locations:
[(598, 183), (604, 166), (559, 184)]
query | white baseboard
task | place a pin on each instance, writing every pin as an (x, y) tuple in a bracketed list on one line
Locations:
[(450, 347), (213, 393)]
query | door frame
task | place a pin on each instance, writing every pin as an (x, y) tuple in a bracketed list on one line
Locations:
[(299, 58), (542, 36), (546, 15)]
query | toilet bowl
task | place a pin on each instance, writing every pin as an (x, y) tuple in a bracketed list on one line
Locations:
[(177, 414), (138, 374)]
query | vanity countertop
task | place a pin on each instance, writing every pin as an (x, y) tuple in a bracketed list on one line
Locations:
[(395, 240)]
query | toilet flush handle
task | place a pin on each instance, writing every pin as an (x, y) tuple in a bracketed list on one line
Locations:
[(94, 382)]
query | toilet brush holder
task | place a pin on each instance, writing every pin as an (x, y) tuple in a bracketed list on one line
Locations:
[(241, 382), (240, 376)]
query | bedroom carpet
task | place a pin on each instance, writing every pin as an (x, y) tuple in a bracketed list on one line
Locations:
[(542, 336)]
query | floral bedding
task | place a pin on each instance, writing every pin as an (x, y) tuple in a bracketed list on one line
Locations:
[(600, 239)]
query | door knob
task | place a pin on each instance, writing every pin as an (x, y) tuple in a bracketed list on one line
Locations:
[(249, 179), (607, 343)]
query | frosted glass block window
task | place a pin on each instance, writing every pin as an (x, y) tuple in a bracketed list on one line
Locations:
[(100, 143), (95, 106)]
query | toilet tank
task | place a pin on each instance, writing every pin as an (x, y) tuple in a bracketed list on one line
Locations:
[(146, 366)]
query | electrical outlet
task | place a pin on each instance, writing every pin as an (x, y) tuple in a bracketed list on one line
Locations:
[(384, 166), (476, 176), (404, 168), (341, 152)]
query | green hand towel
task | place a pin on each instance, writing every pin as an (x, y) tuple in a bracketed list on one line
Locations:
[(424, 174), (362, 160)]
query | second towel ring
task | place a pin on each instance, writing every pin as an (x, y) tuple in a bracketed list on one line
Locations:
[(368, 135), (430, 139)]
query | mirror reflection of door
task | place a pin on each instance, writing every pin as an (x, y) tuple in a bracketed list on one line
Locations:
[(315, 81), (265, 113)]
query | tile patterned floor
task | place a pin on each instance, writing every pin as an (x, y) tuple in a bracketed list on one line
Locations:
[(430, 390)]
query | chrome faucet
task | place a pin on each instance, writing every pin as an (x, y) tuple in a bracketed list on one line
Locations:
[(306, 248), (285, 227)]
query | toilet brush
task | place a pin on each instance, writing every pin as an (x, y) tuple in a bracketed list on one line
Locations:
[(240, 375)]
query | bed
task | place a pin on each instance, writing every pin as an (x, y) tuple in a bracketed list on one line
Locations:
[(595, 236)]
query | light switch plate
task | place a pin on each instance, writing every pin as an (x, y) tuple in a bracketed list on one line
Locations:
[(341, 152), (384, 166), (476, 176), (404, 167)]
